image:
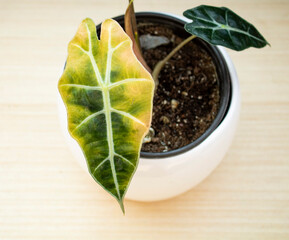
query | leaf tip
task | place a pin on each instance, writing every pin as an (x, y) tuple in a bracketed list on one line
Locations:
[(87, 20), (121, 206)]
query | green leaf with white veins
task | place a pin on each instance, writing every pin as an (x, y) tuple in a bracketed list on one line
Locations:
[(108, 96), (221, 26)]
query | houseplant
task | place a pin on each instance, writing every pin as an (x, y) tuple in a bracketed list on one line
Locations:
[(108, 92)]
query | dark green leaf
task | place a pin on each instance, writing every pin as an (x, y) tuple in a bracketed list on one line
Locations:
[(221, 26)]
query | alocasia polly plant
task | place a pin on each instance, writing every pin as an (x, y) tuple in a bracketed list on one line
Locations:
[(107, 87)]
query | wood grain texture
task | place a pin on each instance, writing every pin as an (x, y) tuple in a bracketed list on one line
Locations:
[(44, 194)]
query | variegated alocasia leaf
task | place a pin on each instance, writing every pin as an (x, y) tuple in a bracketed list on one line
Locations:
[(221, 26), (108, 96)]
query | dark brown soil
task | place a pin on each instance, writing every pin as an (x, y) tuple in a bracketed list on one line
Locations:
[(187, 98)]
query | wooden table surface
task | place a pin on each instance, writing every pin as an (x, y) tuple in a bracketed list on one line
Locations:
[(44, 194)]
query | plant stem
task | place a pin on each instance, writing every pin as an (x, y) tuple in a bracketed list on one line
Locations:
[(161, 63), (131, 30), (134, 25)]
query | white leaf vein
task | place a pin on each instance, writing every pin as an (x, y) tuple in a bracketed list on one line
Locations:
[(76, 45), (88, 118), (127, 81), (102, 162), (116, 47), (122, 157), (81, 86), (128, 115)]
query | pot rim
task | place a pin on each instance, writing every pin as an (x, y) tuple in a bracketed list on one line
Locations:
[(221, 68)]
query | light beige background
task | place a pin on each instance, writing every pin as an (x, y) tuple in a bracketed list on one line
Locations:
[(45, 195)]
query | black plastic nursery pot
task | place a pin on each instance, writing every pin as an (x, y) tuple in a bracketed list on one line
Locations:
[(224, 79)]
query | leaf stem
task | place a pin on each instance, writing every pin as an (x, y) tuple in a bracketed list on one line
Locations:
[(131, 30), (134, 25), (161, 63)]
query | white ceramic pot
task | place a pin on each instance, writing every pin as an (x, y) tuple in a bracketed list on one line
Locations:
[(167, 177)]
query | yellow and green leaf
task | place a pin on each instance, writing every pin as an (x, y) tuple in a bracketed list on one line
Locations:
[(108, 96)]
